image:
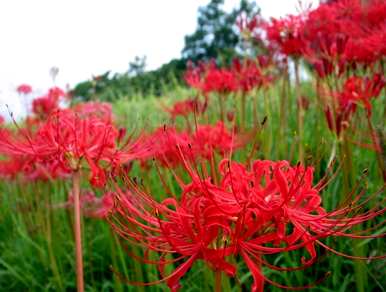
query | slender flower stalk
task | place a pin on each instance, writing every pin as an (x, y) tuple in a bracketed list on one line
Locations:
[(378, 148), (217, 281), (78, 231), (300, 112)]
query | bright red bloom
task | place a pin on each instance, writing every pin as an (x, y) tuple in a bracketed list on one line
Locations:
[(92, 206), (194, 75), (219, 80), (209, 139), (251, 28), (361, 90), (168, 145), (69, 140), (286, 34), (343, 34), (24, 89), (44, 105), (186, 107), (209, 78), (249, 75), (267, 209), (356, 91), (100, 110)]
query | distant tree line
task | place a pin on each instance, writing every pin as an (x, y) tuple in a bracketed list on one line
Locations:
[(216, 37)]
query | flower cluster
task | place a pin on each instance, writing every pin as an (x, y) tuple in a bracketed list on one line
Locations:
[(167, 143), (66, 141), (267, 209), (243, 75), (44, 105), (356, 91)]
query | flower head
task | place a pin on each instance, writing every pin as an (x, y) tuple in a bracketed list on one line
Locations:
[(24, 89), (266, 209)]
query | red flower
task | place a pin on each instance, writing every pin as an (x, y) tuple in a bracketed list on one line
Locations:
[(209, 139), (356, 91), (44, 105), (286, 34), (24, 89), (219, 80), (194, 75), (168, 145), (265, 210), (70, 140), (100, 110), (249, 75), (209, 78), (186, 107), (91, 205), (343, 34)]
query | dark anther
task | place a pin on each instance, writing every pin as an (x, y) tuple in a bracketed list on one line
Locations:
[(264, 120)]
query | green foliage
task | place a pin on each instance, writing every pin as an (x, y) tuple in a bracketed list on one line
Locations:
[(216, 36), (111, 88)]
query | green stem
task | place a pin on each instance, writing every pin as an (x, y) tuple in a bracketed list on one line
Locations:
[(51, 253), (348, 183), (300, 112), (283, 116), (243, 111), (222, 109), (378, 148)]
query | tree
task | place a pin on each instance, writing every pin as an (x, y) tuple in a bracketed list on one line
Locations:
[(138, 66), (216, 36)]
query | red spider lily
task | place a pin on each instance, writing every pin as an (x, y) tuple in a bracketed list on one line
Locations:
[(219, 80), (251, 28), (268, 209), (356, 91), (186, 107), (209, 78), (101, 110), (44, 105), (68, 140), (167, 143), (194, 75), (249, 75), (91, 205), (340, 34), (24, 89), (285, 34), (31, 169), (361, 90), (209, 139)]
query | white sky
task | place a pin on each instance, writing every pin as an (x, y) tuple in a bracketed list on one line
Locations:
[(89, 37)]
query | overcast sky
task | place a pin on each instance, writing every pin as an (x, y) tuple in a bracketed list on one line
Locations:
[(88, 37)]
